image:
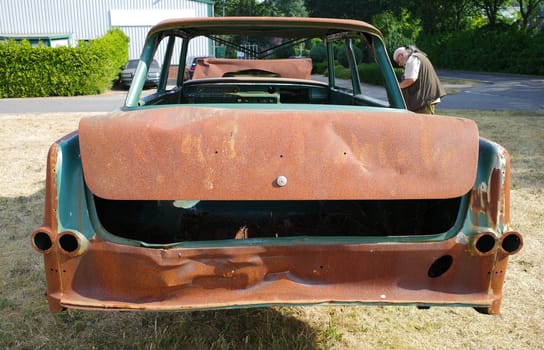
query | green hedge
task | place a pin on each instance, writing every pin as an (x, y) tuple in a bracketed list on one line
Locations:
[(369, 73), (90, 68), (504, 49)]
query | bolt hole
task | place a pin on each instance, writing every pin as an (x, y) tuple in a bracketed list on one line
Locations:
[(440, 266)]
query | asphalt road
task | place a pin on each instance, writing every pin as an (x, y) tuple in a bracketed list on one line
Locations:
[(94, 103), (481, 91), (478, 91)]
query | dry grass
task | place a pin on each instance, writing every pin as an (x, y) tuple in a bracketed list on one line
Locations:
[(27, 323)]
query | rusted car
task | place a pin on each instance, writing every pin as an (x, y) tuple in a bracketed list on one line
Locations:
[(258, 183)]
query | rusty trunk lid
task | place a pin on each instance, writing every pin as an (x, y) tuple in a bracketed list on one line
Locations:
[(217, 153)]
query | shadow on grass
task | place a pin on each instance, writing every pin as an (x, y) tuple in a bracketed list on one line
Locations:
[(258, 328), (29, 324)]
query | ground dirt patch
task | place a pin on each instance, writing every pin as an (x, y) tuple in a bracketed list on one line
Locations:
[(27, 323)]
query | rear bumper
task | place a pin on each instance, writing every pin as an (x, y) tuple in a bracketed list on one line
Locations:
[(106, 275)]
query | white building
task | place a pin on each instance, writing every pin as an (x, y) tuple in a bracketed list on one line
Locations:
[(90, 19)]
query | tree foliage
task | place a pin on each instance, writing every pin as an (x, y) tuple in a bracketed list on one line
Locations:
[(527, 9), (439, 17), (274, 8), (484, 50), (288, 8), (399, 30), (236, 8), (446, 30), (435, 16), (491, 8), (362, 10)]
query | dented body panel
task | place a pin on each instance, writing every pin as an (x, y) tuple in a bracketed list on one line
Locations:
[(312, 196), (392, 156)]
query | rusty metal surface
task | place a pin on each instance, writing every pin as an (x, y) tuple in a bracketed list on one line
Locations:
[(214, 153), (300, 68), (50, 227), (160, 279), (279, 26)]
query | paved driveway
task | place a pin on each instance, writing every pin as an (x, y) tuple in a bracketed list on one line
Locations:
[(482, 91), (471, 91), (73, 104)]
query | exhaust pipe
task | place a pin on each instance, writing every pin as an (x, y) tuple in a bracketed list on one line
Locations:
[(41, 240), (511, 242), (72, 243), (484, 244)]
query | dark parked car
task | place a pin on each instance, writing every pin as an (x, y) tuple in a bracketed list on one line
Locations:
[(192, 66), (255, 184), (152, 77)]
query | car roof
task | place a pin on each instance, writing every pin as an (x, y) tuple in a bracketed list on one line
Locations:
[(267, 26)]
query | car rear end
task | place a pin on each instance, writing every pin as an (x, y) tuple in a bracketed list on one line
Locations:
[(255, 185), (244, 208)]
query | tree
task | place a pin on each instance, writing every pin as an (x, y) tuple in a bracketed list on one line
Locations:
[(237, 8), (436, 16), (285, 8), (526, 10), (441, 17), (491, 8), (398, 31), (363, 10), (274, 8)]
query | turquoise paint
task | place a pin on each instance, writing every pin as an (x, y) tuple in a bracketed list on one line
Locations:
[(354, 72), (394, 93), (72, 213), (140, 75), (489, 158), (274, 107)]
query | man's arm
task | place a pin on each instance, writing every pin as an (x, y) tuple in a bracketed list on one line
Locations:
[(406, 83), (411, 72)]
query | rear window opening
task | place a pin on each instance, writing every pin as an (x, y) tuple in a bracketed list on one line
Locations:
[(165, 222)]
